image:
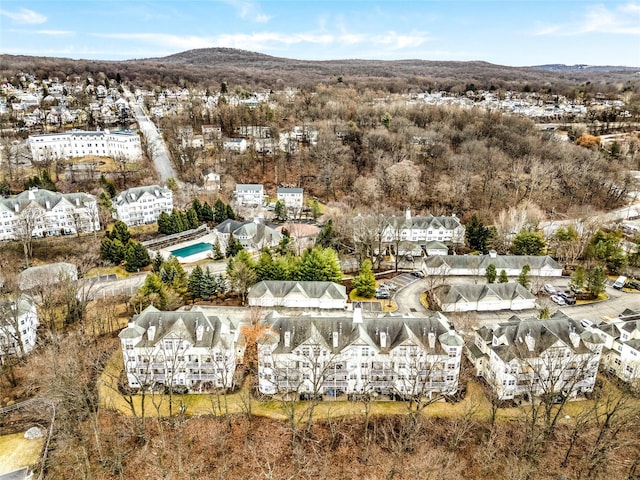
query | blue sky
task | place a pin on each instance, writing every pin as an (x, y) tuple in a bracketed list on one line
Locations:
[(514, 32)]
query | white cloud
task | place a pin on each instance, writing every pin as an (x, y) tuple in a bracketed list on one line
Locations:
[(24, 15), (248, 9), (623, 20), (55, 32)]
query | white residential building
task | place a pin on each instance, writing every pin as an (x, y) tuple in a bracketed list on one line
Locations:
[(77, 143), (291, 197), (18, 325), (40, 213), (253, 235), (142, 205), (489, 297), (185, 351), (476, 265), (621, 355), (423, 229), (238, 145), (292, 294), (249, 194), (534, 357), (334, 355)]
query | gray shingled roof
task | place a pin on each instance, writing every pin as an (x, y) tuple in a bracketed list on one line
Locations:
[(41, 196), (473, 293), (281, 289), (482, 261), (134, 194)]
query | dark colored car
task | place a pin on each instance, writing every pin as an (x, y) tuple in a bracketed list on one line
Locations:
[(569, 299)]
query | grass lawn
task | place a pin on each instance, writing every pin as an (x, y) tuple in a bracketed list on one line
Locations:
[(119, 271), (601, 297), (17, 452)]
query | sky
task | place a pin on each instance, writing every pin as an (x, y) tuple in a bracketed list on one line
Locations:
[(507, 32)]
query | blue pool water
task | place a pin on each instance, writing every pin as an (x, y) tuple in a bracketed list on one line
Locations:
[(191, 250)]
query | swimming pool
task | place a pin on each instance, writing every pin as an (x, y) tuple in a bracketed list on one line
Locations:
[(191, 250)]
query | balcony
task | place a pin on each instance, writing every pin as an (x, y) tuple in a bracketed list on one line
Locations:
[(336, 384), (203, 376)]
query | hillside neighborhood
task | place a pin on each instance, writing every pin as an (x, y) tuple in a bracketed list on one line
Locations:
[(465, 258)]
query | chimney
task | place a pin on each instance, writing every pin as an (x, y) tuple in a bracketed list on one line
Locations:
[(383, 340), (47, 204), (357, 315), (199, 332), (574, 337), (530, 341), (335, 339), (77, 201), (493, 254), (17, 207), (407, 214), (432, 340), (151, 332), (287, 339), (225, 327), (32, 192)]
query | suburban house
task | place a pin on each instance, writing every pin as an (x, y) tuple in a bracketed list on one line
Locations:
[(210, 134), (18, 325), (534, 357), (335, 355), (454, 265), (249, 194), (238, 145), (292, 198), (211, 181), (291, 294), (142, 205), (38, 213), (123, 144), (47, 275), (489, 297), (253, 235), (423, 229), (184, 351), (621, 356)]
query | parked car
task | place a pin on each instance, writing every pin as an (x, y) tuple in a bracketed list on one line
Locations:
[(382, 293), (550, 289), (417, 273), (392, 287), (558, 299), (634, 285), (619, 283), (569, 299), (586, 323)]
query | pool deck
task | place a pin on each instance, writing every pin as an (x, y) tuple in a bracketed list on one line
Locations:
[(196, 257)]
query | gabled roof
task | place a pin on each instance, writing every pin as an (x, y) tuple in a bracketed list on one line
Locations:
[(45, 199), (284, 289), (133, 194), (476, 293), (501, 262)]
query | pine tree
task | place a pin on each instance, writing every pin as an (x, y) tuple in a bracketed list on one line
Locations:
[(120, 232), (219, 211), (157, 263), (523, 278), (217, 251), (195, 283), (503, 277), (207, 213), (365, 282), (280, 210), (264, 267), (192, 218), (230, 213), (477, 234), (136, 257), (490, 273), (197, 207), (164, 223), (233, 247)]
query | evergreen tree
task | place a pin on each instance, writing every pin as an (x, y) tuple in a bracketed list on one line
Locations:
[(164, 223), (503, 277), (490, 273), (280, 210), (528, 243), (230, 213), (219, 211), (209, 285), (477, 234), (195, 283), (206, 214), (315, 209), (173, 275), (233, 247), (157, 263), (523, 278), (192, 218), (285, 244), (327, 235), (136, 257), (153, 292), (596, 281), (197, 207), (217, 251), (265, 267), (120, 231), (320, 264), (112, 250), (607, 248), (365, 282)]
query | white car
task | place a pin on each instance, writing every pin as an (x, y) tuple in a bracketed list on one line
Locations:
[(558, 299), (550, 289)]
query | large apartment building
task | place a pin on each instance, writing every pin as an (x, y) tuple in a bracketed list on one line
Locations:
[(621, 355), (18, 325), (123, 144), (39, 212), (142, 205), (533, 357), (422, 229), (185, 351), (335, 355)]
